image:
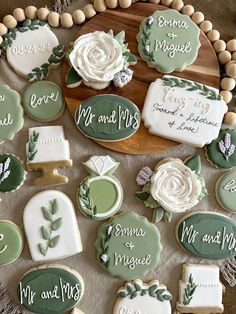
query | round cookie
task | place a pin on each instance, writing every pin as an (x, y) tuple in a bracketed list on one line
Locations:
[(128, 246), (225, 190), (11, 242), (221, 152), (12, 173), (11, 113), (43, 101)]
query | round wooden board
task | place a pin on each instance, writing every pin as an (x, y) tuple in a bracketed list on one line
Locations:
[(205, 70)]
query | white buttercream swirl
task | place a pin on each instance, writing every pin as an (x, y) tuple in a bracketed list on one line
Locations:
[(97, 57), (175, 186)]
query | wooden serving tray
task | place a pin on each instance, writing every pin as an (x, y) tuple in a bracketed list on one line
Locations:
[(205, 70)]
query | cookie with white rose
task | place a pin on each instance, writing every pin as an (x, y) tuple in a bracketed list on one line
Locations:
[(96, 59), (173, 187)]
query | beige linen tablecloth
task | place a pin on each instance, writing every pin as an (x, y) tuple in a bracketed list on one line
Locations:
[(100, 287)]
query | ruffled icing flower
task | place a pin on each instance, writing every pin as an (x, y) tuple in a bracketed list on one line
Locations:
[(175, 186)]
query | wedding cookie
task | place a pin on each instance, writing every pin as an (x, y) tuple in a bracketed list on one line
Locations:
[(184, 111), (11, 113), (128, 246), (100, 195), (200, 289), (11, 242), (43, 101), (107, 118), (99, 58), (138, 297), (168, 41), (50, 289), (173, 187), (32, 49), (225, 191), (221, 152), (207, 235), (51, 227)]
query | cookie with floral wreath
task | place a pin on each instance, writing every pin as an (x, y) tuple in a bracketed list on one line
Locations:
[(173, 187)]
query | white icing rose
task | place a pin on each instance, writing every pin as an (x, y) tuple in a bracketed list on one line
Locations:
[(175, 186), (97, 57)]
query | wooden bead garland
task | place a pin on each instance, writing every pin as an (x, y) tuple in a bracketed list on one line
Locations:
[(219, 45), (3, 29), (31, 12), (230, 118), (100, 5), (228, 83), (112, 4), (43, 13), (198, 17), (234, 56), (166, 3), (231, 45), (206, 26), (89, 11), (177, 5), (78, 16), (66, 20), (188, 10), (155, 1), (19, 14), (231, 70), (124, 4), (213, 35), (224, 57), (227, 96), (54, 19), (9, 21)]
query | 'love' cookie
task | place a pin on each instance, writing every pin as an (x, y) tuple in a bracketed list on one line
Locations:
[(138, 297), (51, 226), (128, 246)]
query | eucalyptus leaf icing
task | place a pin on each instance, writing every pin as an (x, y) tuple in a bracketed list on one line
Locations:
[(50, 289), (207, 235), (43, 101), (11, 113), (100, 195), (128, 246), (221, 151), (11, 242), (139, 297), (107, 118), (168, 41)]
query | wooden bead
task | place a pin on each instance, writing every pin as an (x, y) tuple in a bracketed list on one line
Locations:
[(112, 4), (228, 63), (224, 57), (1, 40), (31, 12), (234, 56), (155, 1), (100, 5), (198, 17), (231, 45), (227, 96), (19, 14), (219, 45), (89, 11), (3, 29), (230, 118), (9, 21), (54, 19), (166, 3), (43, 13), (66, 20), (177, 5), (206, 26), (227, 83), (231, 70), (188, 10), (124, 4), (78, 16), (213, 35)]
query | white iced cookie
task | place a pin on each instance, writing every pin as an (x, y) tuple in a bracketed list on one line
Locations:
[(51, 226)]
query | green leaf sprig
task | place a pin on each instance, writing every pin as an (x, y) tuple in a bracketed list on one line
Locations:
[(84, 195), (104, 258), (189, 291), (32, 148)]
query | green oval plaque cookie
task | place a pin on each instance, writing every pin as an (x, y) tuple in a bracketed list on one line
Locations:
[(207, 235), (107, 118)]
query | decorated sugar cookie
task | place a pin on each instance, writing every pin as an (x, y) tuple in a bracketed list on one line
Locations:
[(221, 152), (11, 242), (50, 289), (173, 187), (168, 41), (207, 235), (184, 111), (43, 101), (100, 195), (32, 49), (48, 150), (200, 289), (107, 118), (99, 58), (128, 246), (51, 226), (11, 113), (139, 297)]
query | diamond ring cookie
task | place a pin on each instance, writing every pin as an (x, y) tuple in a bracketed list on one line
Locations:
[(100, 195), (168, 41), (43, 101), (139, 297), (51, 227), (128, 246), (11, 113)]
